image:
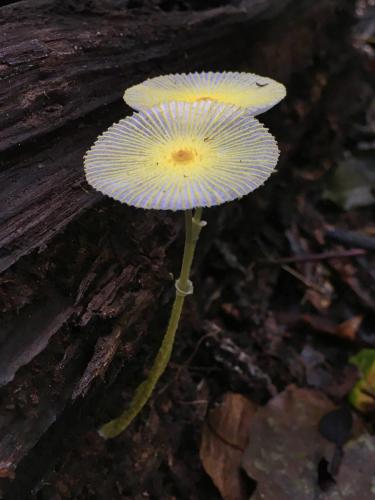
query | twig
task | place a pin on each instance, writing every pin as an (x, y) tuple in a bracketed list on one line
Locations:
[(355, 252), (350, 238), (291, 270), (303, 279)]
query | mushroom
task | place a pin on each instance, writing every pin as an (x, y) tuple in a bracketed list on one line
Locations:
[(246, 90), (179, 156)]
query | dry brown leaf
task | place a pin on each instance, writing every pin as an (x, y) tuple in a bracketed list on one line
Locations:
[(321, 301), (318, 323), (6, 470), (348, 329), (356, 480), (225, 436), (285, 445), (286, 448)]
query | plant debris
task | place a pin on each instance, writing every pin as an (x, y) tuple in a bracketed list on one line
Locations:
[(362, 396), (300, 447), (224, 439)]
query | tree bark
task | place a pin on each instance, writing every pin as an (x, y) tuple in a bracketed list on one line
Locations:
[(72, 261)]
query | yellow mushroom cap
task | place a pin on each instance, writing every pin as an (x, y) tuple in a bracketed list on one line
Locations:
[(255, 93), (182, 155)]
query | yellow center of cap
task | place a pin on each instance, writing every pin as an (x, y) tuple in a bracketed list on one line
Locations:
[(183, 156), (205, 98)]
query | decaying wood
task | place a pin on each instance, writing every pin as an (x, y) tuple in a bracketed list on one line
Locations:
[(72, 261)]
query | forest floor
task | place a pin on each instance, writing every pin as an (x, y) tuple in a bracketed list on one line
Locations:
[(256, 396)]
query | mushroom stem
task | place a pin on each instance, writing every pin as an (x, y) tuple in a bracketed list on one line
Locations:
[(184, 287)]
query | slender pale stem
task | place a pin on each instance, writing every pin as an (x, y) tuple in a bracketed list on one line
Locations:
[(184, 287)]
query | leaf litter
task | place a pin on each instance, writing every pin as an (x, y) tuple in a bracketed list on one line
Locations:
[(293, 440)]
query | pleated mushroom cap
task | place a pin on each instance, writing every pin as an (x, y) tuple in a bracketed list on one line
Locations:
[(182, 155), (255, 93)]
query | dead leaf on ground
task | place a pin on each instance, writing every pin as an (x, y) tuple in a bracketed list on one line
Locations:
[(355, 479), (349, 275), (322, 375), (225, 436), (350, 184), (346, 330), (7, 471), (285, 446), (286, 451)]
